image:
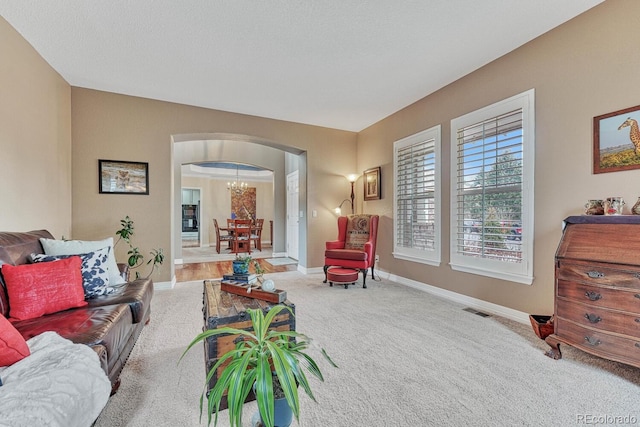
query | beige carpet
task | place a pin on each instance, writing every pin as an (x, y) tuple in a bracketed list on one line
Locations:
[(406, 358)]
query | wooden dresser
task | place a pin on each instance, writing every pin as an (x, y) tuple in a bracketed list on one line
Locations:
[(597, 288)]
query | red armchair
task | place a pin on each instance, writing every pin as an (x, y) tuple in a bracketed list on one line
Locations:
[(355, 247)]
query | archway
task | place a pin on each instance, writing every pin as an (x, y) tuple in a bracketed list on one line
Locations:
[(281, 159)]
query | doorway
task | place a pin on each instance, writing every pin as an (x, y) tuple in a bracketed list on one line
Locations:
[(190, 217), (293, 194)]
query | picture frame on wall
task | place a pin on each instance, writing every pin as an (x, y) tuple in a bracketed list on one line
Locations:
[(616, 141), (371, 180), (123, 177)]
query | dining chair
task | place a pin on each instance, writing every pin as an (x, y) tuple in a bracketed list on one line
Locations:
[(241, 241), (256, 233), (220, 237)]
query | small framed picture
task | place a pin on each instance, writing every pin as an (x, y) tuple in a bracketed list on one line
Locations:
[(616, 141), (122, 177), (372, 184)]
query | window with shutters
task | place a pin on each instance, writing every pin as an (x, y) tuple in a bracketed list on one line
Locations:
[(417, 207), (492, 155)]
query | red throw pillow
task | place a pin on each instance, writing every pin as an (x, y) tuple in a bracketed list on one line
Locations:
[(13, 347), (43, 288)]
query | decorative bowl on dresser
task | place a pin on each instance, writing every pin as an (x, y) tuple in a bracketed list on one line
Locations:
[(597, 288)]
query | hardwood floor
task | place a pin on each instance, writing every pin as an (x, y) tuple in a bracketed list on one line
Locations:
[(213, 270)]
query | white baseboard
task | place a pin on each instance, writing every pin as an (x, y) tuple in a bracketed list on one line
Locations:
[(278, 254), (178, 261), (312, 270), (475, 303), (163, 286)]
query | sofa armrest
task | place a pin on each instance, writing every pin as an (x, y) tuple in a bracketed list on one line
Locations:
[(124, 270), (137, 294)]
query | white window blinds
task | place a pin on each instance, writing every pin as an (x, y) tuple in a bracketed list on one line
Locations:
[(417, 198), (489, 182)]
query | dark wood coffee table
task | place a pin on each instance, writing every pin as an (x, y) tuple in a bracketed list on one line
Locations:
[(223, 309)]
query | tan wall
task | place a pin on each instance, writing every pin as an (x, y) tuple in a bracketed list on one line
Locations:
[(582, 69), (119, 127), (35, 139)]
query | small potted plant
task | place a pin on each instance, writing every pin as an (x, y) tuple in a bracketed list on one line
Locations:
[(263, 360), (241, 264), (136, 259)]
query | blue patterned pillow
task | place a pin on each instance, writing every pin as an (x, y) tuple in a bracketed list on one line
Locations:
[(95, 275)]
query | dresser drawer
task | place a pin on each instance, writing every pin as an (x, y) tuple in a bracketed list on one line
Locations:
[(600, 343), (621, 299), (599, 274), (599, 318)]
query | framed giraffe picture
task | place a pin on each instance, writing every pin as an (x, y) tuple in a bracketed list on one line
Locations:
[(616, 141)]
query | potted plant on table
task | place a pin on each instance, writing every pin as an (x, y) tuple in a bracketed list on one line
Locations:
[(265, 361), (241, 264)]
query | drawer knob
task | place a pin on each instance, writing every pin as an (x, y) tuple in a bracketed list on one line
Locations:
[(638, 344), (592, 341), (637, 295), (594, 296), (592, 318), (595, 274)]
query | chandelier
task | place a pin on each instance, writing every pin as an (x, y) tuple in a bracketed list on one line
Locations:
[(237, 188)]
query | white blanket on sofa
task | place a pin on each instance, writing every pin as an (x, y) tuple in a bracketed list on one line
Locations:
[(59, 384)]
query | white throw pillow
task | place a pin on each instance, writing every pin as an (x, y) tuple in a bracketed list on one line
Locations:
[(77, 247)]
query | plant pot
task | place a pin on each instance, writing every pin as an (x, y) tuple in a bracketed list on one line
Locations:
[(542, 325), (240, 267), (282, 414)]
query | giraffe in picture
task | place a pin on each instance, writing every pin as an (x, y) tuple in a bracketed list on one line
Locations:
[(634, 134)]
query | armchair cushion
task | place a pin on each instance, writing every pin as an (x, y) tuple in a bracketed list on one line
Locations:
[(350, 254), (357, 231)]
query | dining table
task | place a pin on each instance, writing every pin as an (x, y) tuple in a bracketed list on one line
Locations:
[(230, 231)]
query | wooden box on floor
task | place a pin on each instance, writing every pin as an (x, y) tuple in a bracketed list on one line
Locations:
[(222, 309)]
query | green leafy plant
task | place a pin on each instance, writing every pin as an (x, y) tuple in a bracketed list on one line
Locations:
[(261, 359), (136, 259), (258, 269), (244, 259)]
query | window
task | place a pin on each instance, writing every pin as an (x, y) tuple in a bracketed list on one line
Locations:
[(416, 203), (492, 158)]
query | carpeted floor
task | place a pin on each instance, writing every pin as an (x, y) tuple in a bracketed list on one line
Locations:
[(406, 358)]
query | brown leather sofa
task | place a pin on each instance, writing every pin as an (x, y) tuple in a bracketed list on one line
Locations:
[(109, 324)]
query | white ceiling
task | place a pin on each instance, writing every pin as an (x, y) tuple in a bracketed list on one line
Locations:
[(334, 63)]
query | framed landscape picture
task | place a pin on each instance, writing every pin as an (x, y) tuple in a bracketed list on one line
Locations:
[(616, 141), (372, 184), (122, 177)]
